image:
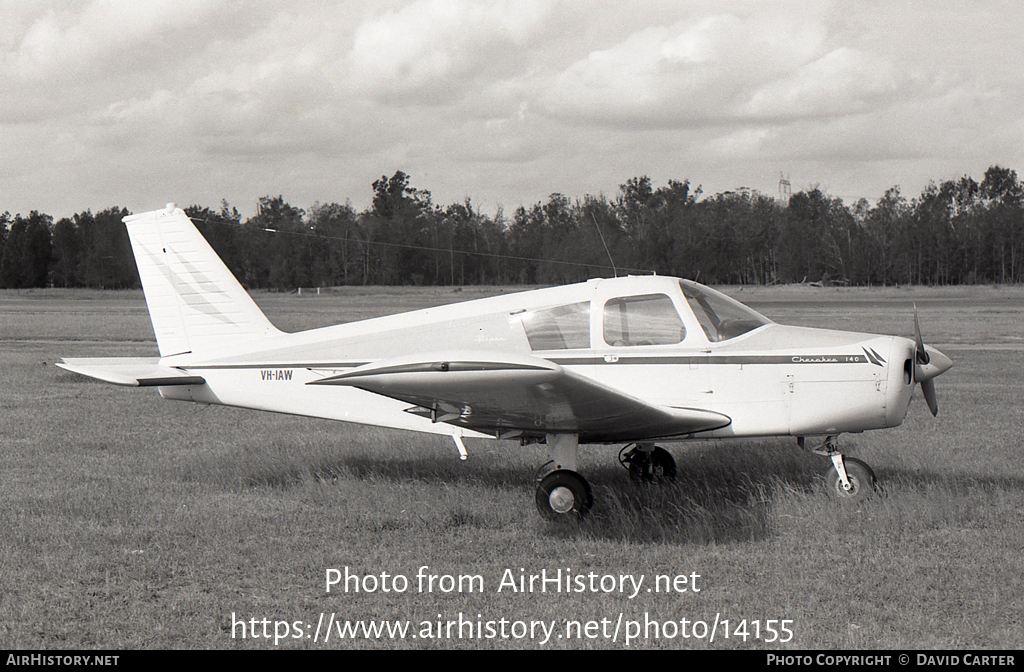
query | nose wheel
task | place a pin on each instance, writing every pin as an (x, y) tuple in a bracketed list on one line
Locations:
[(849, 479), (860, 480)]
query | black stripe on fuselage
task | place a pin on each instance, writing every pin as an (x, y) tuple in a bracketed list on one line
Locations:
[(278, 365), (590, 360), (710, 359)]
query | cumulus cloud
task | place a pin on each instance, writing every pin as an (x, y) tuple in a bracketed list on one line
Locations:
[(502, 100), (431, 48), (102, 34), (843, 81), (69, 57), (724, 68)]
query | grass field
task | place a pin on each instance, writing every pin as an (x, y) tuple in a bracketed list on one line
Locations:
[(133, 522)]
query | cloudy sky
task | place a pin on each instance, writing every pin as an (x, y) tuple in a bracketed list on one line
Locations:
[(139, 102)]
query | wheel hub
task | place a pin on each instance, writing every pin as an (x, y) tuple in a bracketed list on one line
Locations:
[(561, 500)]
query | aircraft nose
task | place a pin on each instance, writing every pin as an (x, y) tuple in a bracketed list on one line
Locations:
[(937, 364)]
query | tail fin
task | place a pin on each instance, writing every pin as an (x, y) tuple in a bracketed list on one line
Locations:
[(194, 301)]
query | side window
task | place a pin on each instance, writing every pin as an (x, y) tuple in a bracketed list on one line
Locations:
[(650, 319), (560, 328)]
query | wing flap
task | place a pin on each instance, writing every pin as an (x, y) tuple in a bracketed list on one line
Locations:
[(129, 371), (521, 395)]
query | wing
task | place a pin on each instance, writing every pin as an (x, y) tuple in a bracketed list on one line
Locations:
[(512, 396), (131, 371)]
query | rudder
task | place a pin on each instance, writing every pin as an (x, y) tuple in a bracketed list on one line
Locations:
[(194, 301)]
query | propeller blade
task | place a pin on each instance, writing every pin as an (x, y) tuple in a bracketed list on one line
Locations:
[(930, 363), (921, 354), (928, 389)]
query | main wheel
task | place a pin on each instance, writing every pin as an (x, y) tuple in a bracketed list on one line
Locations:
[(656, 466), (564, 495), (862, 481)]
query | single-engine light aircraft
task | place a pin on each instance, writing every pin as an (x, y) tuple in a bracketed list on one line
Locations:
[(632, 360)]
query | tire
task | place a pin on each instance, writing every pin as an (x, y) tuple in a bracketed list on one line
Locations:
[(862, 481), (564, 495), (658, 466)]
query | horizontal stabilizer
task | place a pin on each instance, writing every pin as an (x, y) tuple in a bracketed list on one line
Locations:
[(130, 371), (503, 394)]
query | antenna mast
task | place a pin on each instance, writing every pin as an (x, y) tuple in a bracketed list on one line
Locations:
[(606, 250), (785, 189)]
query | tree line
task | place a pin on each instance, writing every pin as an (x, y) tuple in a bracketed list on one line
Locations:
[(955, 232)]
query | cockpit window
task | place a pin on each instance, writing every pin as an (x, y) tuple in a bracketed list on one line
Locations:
[(650, 319), (560, 328), (721, 317)]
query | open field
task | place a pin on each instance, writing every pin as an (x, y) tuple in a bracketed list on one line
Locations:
[(132, 522)]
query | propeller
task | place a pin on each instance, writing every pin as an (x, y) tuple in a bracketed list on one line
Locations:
[(928, 363)]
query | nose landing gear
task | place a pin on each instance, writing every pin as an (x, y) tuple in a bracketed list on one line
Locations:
[(849, 479), (860, 480)]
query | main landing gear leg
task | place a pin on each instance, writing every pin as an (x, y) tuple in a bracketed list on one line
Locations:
[(849, 478), (562, 494)]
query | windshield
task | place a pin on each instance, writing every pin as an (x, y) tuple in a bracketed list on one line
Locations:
[(721, 317)]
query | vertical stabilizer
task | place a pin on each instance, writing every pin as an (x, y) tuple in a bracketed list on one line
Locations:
[(194, 301)]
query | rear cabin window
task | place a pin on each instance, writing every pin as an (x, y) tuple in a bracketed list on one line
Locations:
[(650, 319), (560, 328)]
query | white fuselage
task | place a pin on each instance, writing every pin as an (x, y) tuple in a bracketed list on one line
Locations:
[(772, 380)]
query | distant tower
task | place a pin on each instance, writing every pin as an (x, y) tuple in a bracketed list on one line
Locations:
[(785, 188)]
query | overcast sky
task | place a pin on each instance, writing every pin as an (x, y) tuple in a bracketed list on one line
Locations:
[(137, 103)]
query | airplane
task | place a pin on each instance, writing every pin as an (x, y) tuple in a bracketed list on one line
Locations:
[(637, 361)]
